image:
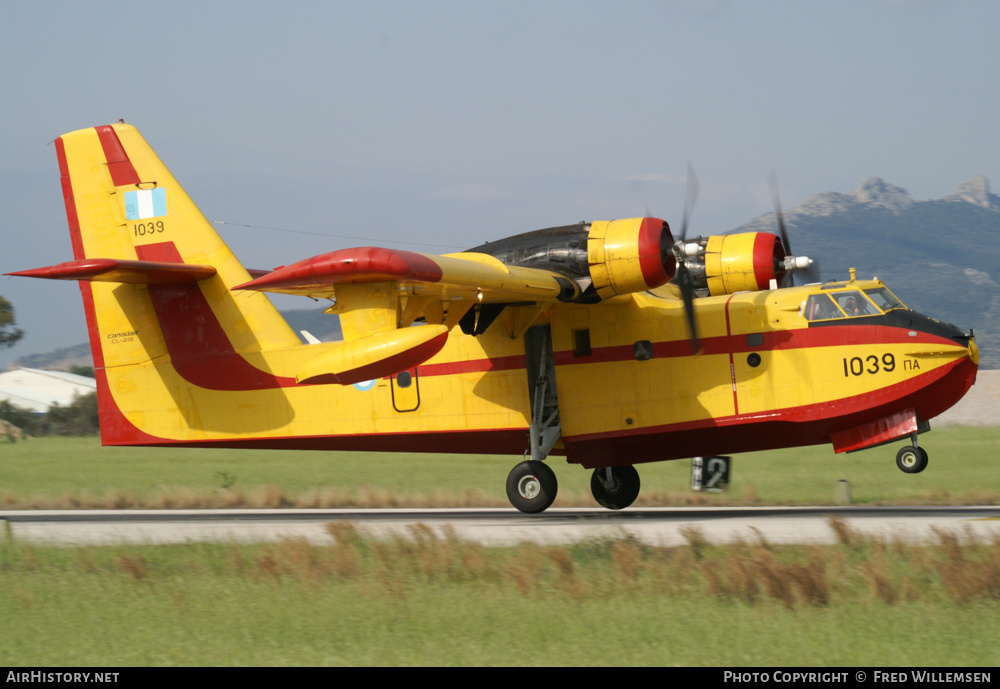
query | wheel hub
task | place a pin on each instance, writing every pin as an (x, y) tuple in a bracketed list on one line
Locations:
[(529, 487)]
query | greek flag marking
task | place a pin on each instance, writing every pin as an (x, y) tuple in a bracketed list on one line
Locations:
[(145, 203)]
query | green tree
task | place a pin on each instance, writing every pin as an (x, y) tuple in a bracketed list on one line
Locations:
[(8, 333), (80, 417), (25, 419)]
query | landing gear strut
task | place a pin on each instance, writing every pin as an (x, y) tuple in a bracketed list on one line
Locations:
[(615, 487), (531, 485), (913, 460)]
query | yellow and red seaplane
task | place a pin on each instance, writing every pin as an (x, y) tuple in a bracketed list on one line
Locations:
[(608, 342)]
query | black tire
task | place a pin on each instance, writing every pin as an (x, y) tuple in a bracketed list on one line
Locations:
[(622, 491), (531, 487), (911, 460)]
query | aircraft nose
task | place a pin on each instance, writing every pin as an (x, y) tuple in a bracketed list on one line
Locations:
[(973, 350)]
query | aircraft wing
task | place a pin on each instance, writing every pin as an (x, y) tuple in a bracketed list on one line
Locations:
[(452, 276), (379, 293)]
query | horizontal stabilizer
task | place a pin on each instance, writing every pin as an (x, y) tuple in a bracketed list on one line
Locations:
[(374, 356), (121, 270)]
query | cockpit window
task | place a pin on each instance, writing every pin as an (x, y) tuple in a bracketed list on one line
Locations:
[(853, 304), (850, 303), (820, 308), (884, 299)]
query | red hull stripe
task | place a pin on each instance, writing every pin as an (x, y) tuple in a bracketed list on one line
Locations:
[(804, 338), (119, 165), (451, 368), (930, 394), (803, 426), (511, 441)]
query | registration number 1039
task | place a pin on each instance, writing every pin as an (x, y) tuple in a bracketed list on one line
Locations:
[(141, 229), (859, 366)]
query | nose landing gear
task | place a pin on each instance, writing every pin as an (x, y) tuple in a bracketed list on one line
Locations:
[(911, 460)]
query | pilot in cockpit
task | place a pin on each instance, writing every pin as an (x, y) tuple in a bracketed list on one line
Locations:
[(853, 308)]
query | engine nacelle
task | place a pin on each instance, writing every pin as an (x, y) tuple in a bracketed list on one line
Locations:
[(630, 255), (730, 263), (603, 258)]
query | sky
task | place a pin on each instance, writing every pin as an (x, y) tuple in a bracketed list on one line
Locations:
[(434, 126)]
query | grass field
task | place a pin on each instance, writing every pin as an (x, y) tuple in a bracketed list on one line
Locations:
[(78, 472), (430, 600)]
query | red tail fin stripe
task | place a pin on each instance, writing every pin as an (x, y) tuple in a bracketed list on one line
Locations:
[(67, 188), (119, 164)]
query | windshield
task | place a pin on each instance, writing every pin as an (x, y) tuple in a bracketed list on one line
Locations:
[(820, 308), (849, 304), (853, 303), (884, 299)]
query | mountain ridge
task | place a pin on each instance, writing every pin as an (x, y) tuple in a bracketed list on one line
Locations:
[(939, 256)]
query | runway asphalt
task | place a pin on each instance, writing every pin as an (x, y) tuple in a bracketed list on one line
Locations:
[(505, 527)]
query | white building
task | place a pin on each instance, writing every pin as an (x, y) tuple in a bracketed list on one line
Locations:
[(37, 390)]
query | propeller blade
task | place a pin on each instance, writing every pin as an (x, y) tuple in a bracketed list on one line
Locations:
[(687, 294), (683, 276), (691, 196), (772, 182)]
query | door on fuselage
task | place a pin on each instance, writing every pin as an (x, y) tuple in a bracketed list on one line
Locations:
[(405, 389)]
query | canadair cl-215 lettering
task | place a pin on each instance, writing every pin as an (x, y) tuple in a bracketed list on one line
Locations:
[(608, 342)]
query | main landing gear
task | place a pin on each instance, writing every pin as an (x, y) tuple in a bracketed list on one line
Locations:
[(615, 487), (532, 486)]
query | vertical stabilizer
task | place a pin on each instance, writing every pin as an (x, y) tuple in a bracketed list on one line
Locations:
[(163, 299), (123, 203)]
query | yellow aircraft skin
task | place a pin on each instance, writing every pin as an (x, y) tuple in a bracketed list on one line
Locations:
[(188, 351)]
